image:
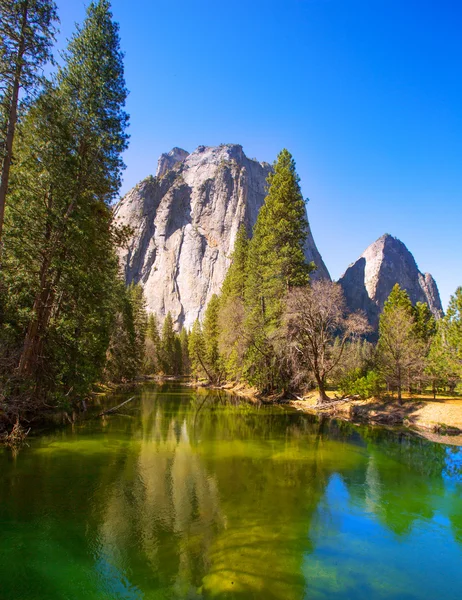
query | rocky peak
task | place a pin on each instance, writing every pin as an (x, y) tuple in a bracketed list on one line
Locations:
[(168, 160), (367, 283), (185, 222)]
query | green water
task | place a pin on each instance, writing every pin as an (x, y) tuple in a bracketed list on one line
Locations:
[(194, 495)]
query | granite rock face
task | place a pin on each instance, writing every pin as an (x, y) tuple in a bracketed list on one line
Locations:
[(184, 224), (169, 159), (367, 283)]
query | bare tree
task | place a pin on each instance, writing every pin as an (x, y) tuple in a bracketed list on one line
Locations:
[(315, 318)]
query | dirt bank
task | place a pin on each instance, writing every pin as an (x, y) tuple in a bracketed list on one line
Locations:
[(438, 420)]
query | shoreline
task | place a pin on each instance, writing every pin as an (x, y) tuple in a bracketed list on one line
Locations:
[(437, 420)]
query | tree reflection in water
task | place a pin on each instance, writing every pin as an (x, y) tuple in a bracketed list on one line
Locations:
[(198, 495)]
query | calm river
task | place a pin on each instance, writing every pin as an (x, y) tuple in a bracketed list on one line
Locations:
[(191, 495)]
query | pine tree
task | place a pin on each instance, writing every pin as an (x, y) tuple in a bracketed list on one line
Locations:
[(236, 276), (231, 339), (168, 348), (276, 263), (425, 322), (152, 362), (60, 264), (276, 254), (140, 323), (425, 331), (452, 328), (27, 32), (126, 352), (196, 347), (401, 353), (212, 356), (439, 368), (185, 360), (446, 351)]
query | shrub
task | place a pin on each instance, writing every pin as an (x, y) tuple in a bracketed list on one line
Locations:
[(364, 386)]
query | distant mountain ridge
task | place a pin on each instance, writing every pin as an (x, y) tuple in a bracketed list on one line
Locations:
[(185, 222), (368, 282)]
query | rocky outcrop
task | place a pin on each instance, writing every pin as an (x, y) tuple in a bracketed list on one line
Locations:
[(184, 223), (168, 160), (367, 283)]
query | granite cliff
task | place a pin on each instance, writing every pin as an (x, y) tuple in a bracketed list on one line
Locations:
[(184, 222), (368, 282)]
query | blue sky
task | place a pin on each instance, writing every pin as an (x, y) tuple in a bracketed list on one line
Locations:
[(366, 94)]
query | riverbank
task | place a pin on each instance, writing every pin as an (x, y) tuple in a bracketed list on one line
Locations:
[(19, 419), (438, 420)]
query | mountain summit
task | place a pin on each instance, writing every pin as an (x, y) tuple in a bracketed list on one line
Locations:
[(185, 222), (368, 282)]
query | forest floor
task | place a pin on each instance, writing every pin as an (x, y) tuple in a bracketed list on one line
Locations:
[(439, 419)]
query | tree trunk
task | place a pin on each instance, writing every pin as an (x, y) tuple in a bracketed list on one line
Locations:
[(323, 397), (12, 119), (399, 385)]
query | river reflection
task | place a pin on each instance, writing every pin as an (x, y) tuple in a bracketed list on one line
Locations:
[(197, 495)]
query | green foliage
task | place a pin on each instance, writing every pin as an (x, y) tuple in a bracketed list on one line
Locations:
[(212, 356), (452, 330), (60, 267), (400, 350), (231, 316), (196, 347), (126, 352), (276, 259), (27, 31), (235, 281), (444, 366), (170, 355), (152, 354), (185, 360), (398, 298), (425, 322), (275, 264), (355, 383)]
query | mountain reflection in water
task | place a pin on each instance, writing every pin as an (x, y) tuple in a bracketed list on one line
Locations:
[(199, 495)]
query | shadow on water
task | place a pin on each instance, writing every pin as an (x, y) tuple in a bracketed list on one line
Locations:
[(195, 494)]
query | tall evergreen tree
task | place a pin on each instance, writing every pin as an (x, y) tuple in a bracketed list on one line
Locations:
[(211, 337), (60, 220), (425, 330), (152, 354), (401, 353), (425, 322), (276, 263), (276, 254), (168, 348), (452, 327), (450, 332), (27, 32), (236, 276), (196, 347), (126, 352), (185, 360), (231, 339)]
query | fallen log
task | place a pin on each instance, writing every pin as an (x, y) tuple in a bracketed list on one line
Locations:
[(115, 408)]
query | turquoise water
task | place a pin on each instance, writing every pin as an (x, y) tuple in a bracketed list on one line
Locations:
[(197, 495)]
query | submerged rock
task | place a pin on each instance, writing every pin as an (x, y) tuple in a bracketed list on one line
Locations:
[(367, 283), (184, 224)]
